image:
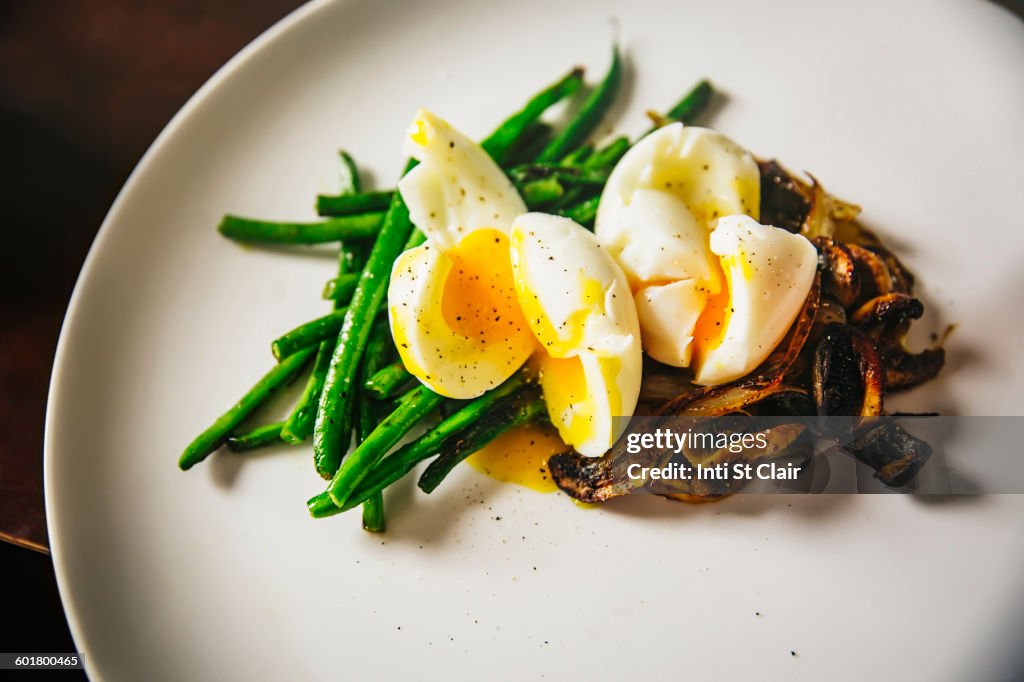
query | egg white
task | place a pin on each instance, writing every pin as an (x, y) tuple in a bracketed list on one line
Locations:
[(456, 187), (769, 272), (679, 215), (578, 305), (451, 301)]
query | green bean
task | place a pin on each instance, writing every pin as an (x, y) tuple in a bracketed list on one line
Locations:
[(351, 257), (348, 174), (415, 239), (386, 382), (340, 288), (693, 103), (589, 116), (352, 204), (210, 439), (533, 140), (499, 143), (402, 461), (309, 334), (373, 513), (334, 417), (299, 424), (482, 433), (330, 230), (565, 174), (420, 402), (259, 437), (609, 155), (321, 506), (537, 193), (378, 351), (603, 159), (578, 156), (583, 212), (376, 354), (379, 347)]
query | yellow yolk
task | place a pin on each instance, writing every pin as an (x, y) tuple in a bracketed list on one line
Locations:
[(479, 300), (420, 136), (520, 456), (454, 315), (577, 303), (710, 328), (565, 392)]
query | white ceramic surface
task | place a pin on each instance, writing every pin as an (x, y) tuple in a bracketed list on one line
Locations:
[(911, 109)]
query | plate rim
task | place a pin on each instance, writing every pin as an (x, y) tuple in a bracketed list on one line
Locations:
[(70, 322)]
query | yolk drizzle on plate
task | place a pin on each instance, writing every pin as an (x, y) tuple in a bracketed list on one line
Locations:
[(520, 456)]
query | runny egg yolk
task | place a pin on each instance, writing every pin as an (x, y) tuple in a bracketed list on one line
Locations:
[(479, 299), (520, 456), (566, 393), (709, 331), (569, 395)]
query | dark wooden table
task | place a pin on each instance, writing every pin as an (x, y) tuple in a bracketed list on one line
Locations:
[(84, 88)]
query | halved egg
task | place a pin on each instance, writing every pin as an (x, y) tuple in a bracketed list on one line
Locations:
[(451, 301), (457, 187), (768, 273), (468, 307), (702, 301), (577, 302)]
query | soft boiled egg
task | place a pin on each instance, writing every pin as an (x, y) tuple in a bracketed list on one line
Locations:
[(768, 273), (452, 301), (493, 285), (577, 302), (714, 289)]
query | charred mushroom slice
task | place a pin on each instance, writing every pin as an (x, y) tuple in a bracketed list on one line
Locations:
[(895, 455), (840, 276), (836, 375), (590, 479), (875, 277), (848, 379), (887, 313), (872, 375), (830, 311), (783, 200)]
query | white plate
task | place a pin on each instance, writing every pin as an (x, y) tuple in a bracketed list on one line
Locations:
[(911, 109)]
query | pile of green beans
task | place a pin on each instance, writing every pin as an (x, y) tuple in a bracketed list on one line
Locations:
[(356, 385)]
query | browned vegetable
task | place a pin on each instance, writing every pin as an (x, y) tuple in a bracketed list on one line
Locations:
[(895, 455), (842, 277)]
